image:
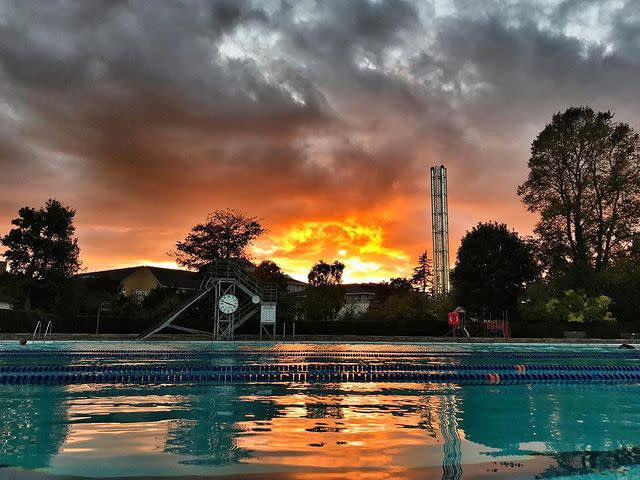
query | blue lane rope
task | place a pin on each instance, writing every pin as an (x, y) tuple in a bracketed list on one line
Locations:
[(472, 378), (177, 354), (117, 369)]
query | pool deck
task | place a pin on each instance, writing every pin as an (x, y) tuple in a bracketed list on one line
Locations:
[(320, 338)]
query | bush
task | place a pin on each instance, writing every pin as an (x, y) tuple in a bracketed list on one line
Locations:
[(24, 321), (577, 307)]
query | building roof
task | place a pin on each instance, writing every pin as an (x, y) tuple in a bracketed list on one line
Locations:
[(117, 274), (293, 281), (171, 277), (167, 277)]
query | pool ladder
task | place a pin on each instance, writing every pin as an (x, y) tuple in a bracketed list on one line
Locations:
[(37, 333)]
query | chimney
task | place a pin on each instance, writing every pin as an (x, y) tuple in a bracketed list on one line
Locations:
[(3, 267)]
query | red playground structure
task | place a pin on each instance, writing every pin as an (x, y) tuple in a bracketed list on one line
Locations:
[(464, 325)]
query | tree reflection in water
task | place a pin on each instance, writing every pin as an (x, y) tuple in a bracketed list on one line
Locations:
[(584, 428), (211, 433), (584, 463), (318, 428), (33, 424)]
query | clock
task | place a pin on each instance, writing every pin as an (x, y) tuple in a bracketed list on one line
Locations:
[(255, 299), (228, 303)]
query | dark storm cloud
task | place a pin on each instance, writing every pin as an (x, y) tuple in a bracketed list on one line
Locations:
[(147, 114)]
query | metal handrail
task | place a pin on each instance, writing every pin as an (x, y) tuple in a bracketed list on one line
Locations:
[(37, 330), (48, 330)]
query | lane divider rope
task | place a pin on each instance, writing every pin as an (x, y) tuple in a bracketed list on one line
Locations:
[(309, 377), (118, 369), (626, 354)]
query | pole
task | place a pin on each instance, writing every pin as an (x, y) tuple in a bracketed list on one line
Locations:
[(284, 331), (98, 319), (294, 331)]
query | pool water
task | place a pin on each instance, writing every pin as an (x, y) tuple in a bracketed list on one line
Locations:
[(582, 426)]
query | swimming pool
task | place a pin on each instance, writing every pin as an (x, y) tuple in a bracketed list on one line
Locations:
[(244, 410)]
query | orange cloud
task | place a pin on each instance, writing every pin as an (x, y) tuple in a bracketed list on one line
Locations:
[(360, 245)]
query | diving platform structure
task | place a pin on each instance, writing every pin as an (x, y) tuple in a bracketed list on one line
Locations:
[(237, 297)]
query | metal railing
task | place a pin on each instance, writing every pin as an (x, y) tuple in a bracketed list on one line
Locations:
[(233, 269), (48, 331), (38, 330)]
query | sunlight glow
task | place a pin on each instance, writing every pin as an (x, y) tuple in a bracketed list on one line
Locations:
[(359, 245)]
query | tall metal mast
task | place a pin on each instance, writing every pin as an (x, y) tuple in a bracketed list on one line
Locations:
[(440, 230)]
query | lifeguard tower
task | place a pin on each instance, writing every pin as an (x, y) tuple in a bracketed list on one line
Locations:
[(237, 297)]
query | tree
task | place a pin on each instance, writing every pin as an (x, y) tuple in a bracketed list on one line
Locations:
[(226, 234), (399, 286), (579, 308), (410, 310), (323, 302), (323, 273), (42, 245), (422, 277), (494, 266), (269, 271), (584, 181), (325, 296)]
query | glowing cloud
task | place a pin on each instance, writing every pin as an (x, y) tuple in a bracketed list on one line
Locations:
[(360, 246)]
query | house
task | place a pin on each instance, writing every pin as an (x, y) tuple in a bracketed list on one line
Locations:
[(295, 286), (357, 298), (6, 302), (139, 281)]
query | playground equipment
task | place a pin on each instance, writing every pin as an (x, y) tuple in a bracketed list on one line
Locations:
[(464, 325), (237, 297)]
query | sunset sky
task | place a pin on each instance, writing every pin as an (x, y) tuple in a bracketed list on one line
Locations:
[(320, 117)]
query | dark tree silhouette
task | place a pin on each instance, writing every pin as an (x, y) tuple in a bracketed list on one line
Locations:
[(494, 265), (225, 234), (42, 246), (584, 181), (323, 302), (400, 285), (325, 296), (323, 273), (269, 271), (422, 277)]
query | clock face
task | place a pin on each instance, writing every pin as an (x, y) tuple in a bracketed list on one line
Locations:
[(228, 303), (255, 299)]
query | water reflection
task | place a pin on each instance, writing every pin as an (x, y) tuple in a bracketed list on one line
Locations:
[(33, 426), (211, 433), (375, 429), (520, 419)]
